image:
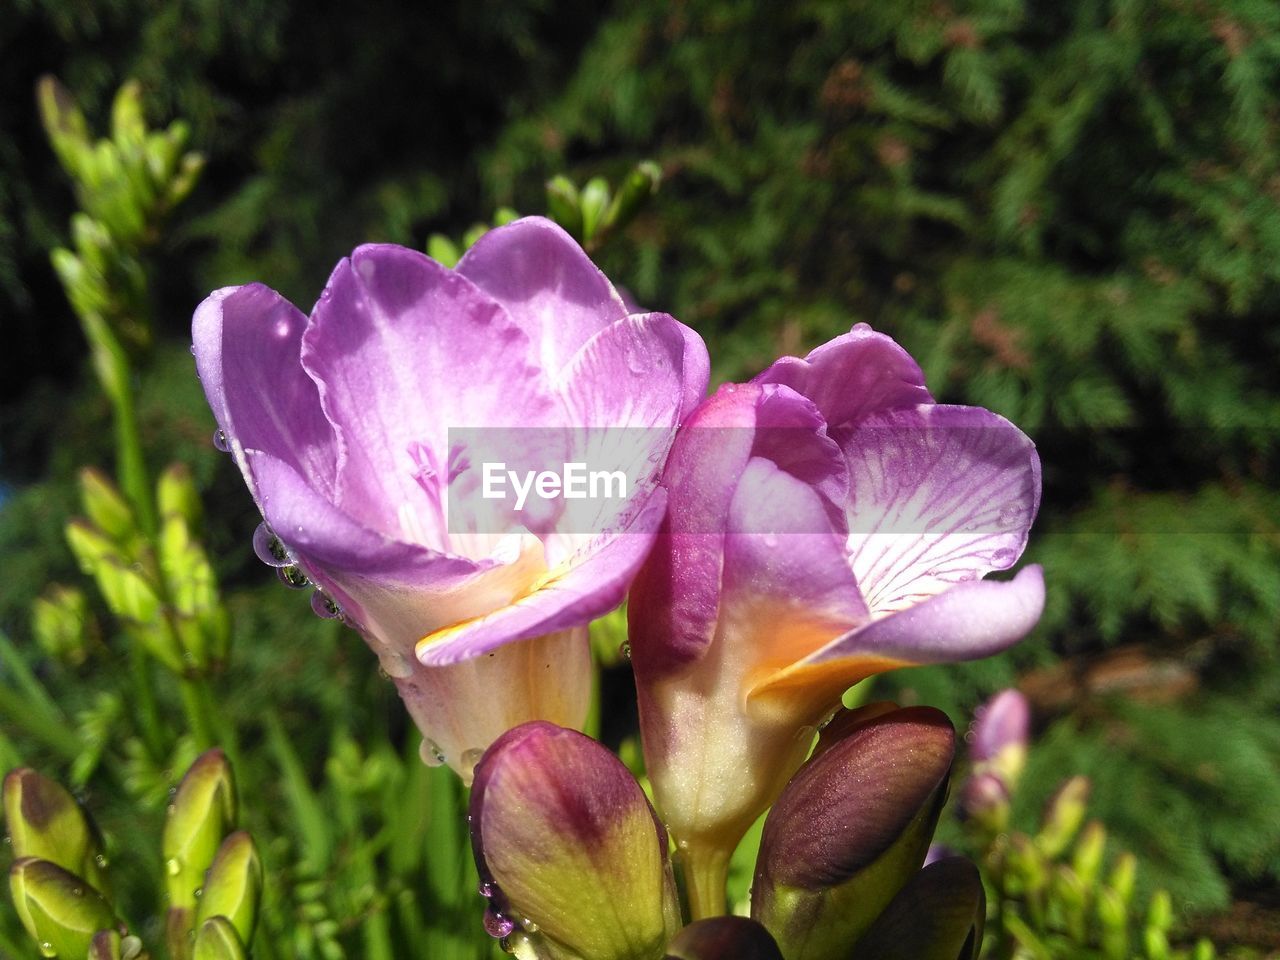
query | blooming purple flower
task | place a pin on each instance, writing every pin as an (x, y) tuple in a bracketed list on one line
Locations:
[(346, 427), (828, 521)]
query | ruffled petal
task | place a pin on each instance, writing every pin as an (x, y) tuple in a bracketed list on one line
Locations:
[(547, 284), (247, 342), (403, 351), (968, 622), (576, 591), (940, 495), (857, 374)]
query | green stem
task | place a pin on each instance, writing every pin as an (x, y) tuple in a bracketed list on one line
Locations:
[(199, 710), (706, 869), (112, 365), (144, 701)]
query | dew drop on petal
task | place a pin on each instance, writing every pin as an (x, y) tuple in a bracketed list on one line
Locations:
[(496, 925), (46, 949), (470, 758), (624, 650), (221, 442), (268, 547), (1010, 513), (433, 756), (485, 889), (1002, 557), (173, 866), (292, 577), (323, 606)]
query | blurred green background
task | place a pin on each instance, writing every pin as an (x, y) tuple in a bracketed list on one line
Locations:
[(1067, 212)]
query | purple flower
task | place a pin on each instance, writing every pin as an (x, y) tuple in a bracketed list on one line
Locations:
[(827, 521), (1000, 730), (351, 430)]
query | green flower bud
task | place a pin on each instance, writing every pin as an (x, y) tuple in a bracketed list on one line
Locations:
[(176, 495), (64, 123), (1026, 868), (443, 250), (1113, 920), (202, 812), (61, 911), (1071, 896), (724, 938), (63, 624), (594, 202), (851, 828), (635, 191), (1087, 859), (46, 822), (569, 852), (474, 233), (565, 205), (184, 179), (233, 885), (128, 593), (1160, 912), (938, 915), (216, 939), (128, 126), (1063, 815), (106, 506), (1123, 876), (504, 215)]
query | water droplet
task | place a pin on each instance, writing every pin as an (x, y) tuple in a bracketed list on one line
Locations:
[(496, 925), (966, 576), (470, 758), (292, 577), (220, 441), (46, 949), (624, 650), (1010, 514), (268, 547), (173, 866), (101, 861), (1002, 557), (77, 891), (199, 892), (8, 839), (485, 889), (529, 926), (433, 756), (323, 606), (193, 349), (770, 540)]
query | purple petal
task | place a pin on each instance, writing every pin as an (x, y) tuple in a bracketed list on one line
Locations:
[(857, 374), (404, 350), (723, 938), (247, 343), (1004, 721), (577, 591), (677, 594), (970, 621), (940, 913), (940, 495), (550, 288)]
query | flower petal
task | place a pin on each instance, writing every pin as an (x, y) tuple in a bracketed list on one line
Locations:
[(398, 344), (247, 342), (938, 915), (857, 374), (723, 938), (547, 284), (940, 495), (970, 621), (581, 588)]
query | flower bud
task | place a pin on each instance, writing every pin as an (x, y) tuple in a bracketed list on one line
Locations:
[(984, 802), (1063, 815), (176, 495), (568, 849), (1113, 921), (1000, 731), (1087, 859), (63, 624), (850, 829), (1123, 876), (46, 822), (106, 506), (564, 204), (938, 915), (723, 938), (63, 122), (60, 910), (217, 939), (633, 193), (594, 203), (233, 885), (203, 810)]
